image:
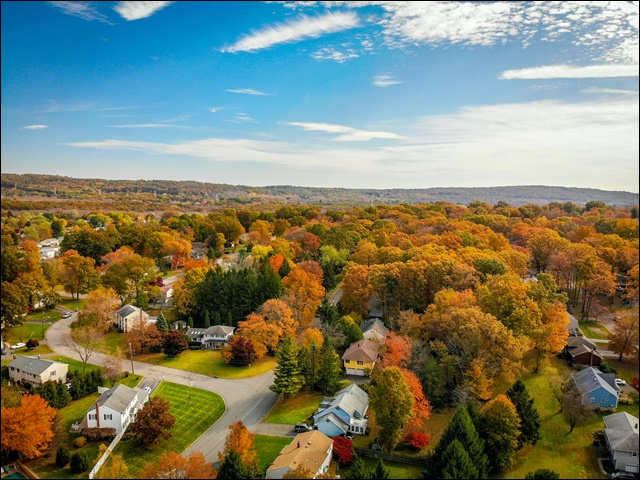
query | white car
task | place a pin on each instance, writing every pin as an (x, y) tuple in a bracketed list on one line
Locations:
[(148, 390), (620, 381), (66, 315), (18, 345)]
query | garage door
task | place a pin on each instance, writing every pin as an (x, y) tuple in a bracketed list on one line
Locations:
[(351, 371), (360, 372)]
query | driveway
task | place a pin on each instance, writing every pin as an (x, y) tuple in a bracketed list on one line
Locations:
[(246, 399), (274, 429)]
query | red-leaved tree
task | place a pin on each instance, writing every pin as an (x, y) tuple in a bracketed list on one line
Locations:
[(343, 450)]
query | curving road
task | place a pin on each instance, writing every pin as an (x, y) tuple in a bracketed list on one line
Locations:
[(246, 399)]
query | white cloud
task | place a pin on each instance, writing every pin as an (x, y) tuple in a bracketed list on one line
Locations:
[(385, 80), (248, 91), (215, 109), (330, 53), (135, 10), (242, 118), (349, 134), (570, 71), (609, 91), (147, 125), (84, 10), (34, 127), (295, 30)]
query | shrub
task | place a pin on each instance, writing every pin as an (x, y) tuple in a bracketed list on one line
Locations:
[(417, 440), (343, 450), (606, 368), (79, 462), (94, 434), (195, 347), (32, 343), (62, 456), (80, 442)]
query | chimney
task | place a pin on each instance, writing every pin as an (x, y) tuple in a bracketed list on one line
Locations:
[(98, 413), (591, 358), (299, 442)]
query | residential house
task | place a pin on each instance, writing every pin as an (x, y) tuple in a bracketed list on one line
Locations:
[(214, 337), (116, 408), (360, 357), (129, 317), (179, 325), (373, 329), (581, 351), (621, 436), (346, 412), (37, 371), (599, 390), (312, 450)]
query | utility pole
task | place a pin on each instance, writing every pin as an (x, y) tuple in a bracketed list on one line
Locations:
[(131, 351)]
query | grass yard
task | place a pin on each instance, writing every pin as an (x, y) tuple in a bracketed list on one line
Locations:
[(113, 340), (396, 470), (192, 419), (71, 304), (74, 364), (24, 332), (208, 362), (41, 349), (294, 410), (46, 315), (268, 448), (627, 368), (594, 330)]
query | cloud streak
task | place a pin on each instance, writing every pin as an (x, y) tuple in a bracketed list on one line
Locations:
[(248, 91), (570, 71), (84, 10), (136, 10), (296, 30), (349, 134), (34, 127), (385, 80)]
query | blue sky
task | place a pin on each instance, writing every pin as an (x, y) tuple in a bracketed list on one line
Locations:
[(333, 94)]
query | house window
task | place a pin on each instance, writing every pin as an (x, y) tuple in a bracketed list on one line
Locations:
[(593, 400), (12, 368), (93, 416), (634, 454), (53, 373), (602, 400), (347, 361), (108, 416), (360, 362)]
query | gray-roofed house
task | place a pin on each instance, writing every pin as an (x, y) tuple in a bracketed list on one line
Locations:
[(214, 337), (344, 413), (599, 390), (621, 436), (116, 408), (373, 329), (37, 371), (129, 317)]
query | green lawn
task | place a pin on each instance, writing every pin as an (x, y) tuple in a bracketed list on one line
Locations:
[(192, 419), (70, 304), (111, 341), (294, 410), (42, 349), (24, 332), (46, 315), (594, 330), (396, 470), (268, 448), (75, 364), (627, 368), (208, 362)]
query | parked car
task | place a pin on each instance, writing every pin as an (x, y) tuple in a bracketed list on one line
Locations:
[(18, 345), (616, 318), (148, 390), (66, 315), (302, 427), (620, 381), (622, 475), (350, 436), (4, 351)]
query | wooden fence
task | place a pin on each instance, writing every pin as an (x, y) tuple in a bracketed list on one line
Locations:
[(393, 457)]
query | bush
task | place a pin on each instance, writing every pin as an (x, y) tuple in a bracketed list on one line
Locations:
[(80, 442), (79, 462), (606, 368), (62, 456), (417, 440), (343, 450), (195, 347), (94, 434), (32, 343)]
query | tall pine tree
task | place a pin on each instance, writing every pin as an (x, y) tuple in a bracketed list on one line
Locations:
[(330, 372), (501, 424), (310, 365), (288, 379), (217, 320), (529, 415), (207, 319), (456, 463), (161, 323), (229, 321)]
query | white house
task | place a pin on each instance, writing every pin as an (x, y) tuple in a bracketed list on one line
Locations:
[(37, 371), (129, 317), (621, 436), (116, 408), (311, 449), (216, 336)]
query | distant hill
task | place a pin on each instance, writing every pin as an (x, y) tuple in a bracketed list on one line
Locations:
[(59, 187)]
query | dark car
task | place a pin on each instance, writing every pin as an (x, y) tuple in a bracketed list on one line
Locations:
[(302, 427)]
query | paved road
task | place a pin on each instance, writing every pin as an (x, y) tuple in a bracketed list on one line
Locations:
[(246, 399)]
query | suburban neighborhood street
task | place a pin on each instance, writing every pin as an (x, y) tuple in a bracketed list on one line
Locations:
[(246, 399)]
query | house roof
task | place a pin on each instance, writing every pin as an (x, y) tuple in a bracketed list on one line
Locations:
[(375, 325), (574, 342), (584, 349), (591, 378), (118, 398), (311, 452), (351, 399), (219, 330), (622, 431), (127, 310), (363, 350), (35, 366)]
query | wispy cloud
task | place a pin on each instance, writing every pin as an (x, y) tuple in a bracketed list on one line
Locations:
[(248, 91), (34, 127), (147, 125), (242, 118), (84, 10), (135, 10), (570, 71), (385, 80), (609, 91), (215, 109), (295, 30), (331, 53), (349, 134)]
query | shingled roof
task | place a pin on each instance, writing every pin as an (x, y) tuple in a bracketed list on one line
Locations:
[(621, 430), (34, 366), (308, 449), (362, 350)]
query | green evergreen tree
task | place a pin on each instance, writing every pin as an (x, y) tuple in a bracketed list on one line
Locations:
[(529, 415), (330, 372), (309, 365), (216, 318), (461, 428), (79, 462), (190, 322), (62, 396), (500, 431), (284, 269), (288, 379), (62, 456), (161, 323), (48, 391), (233, 468), (542, 474), (229, 321), (207, 319), (456, 463), (328, 313), (380, 472), (357, 471)]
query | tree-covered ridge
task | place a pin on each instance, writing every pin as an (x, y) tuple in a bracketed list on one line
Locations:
[(147, 193)]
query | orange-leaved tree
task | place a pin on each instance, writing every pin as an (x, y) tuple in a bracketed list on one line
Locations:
[(239, 439), (28, 429), (303, 293), (174, 465)]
